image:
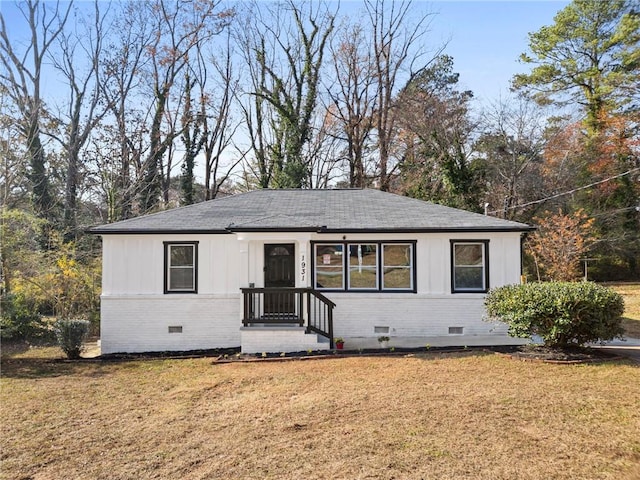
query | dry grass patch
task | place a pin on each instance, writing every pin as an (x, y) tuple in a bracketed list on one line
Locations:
[(430, 416), (631, 294)]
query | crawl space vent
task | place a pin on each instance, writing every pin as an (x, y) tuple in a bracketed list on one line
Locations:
[(456, 330), (175, 329)]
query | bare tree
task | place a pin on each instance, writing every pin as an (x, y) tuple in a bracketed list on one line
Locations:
[(256, 111), (395, 34), (323, 151), (126, 56), (287, 82), (353, 98), (77, 58), (22, 80), (178, 30), (218, 124), (512, 144)]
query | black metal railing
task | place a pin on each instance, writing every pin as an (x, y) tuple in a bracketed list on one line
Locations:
[(299, 306), (320, 314)]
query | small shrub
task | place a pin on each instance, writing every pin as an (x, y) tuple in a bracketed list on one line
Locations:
[(71, 335), (561, 313)]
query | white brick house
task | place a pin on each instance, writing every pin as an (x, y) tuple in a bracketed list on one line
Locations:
[(289, 270)]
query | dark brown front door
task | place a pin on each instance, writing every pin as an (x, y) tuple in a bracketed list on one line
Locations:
[(279, 272)]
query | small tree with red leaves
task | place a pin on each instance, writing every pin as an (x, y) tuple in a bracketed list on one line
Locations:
[(559, 244)]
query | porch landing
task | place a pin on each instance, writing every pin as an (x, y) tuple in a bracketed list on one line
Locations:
[(274, 338)]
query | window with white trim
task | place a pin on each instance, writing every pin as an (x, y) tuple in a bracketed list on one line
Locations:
[(181, 271), (364, 266), (470, 266)]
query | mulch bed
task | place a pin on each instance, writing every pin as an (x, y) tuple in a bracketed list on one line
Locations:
[(531, 353), (573, 355), (229, 355)]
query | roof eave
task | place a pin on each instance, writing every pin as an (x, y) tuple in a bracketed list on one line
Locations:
[(164, 231), (428, 230), (321, 230), (274, 229)]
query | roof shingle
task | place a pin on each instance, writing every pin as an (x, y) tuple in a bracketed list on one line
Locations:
[(348, 210)]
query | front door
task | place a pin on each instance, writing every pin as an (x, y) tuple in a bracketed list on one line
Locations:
[(279, 272)]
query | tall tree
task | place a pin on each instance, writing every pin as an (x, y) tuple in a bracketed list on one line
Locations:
[(119, 146), (193, 141), (353, 98), (395, 32), (14, 187), (512, 144), (22, 81), (286, 47), (77, 58), (590, 55), (218, 123), (435, 129), (178, 29)]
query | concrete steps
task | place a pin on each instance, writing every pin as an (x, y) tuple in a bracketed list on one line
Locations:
[(280, 338)]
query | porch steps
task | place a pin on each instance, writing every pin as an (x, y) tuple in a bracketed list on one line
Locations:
[(274, 338)]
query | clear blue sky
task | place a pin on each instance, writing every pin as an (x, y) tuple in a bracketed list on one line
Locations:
[(485, 37), (488, 37)]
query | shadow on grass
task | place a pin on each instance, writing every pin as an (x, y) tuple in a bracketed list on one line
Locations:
[(35, 368), (24, 360), (631, 327), (16, 365)]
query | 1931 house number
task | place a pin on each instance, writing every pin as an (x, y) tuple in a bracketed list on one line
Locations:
[(303, 268)]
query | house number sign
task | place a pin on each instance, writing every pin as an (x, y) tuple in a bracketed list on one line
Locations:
[(303, 268)]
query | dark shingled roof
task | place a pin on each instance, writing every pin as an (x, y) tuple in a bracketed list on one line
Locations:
[(348, 210)]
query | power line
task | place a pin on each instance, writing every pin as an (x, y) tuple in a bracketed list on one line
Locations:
[(617, 210), (535, 202)]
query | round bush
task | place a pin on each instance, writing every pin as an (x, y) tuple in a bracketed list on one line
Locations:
[(561, 313), (71, 335)]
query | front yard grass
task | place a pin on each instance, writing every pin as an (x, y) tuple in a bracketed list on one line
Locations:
[(631, 294), (471, 415)]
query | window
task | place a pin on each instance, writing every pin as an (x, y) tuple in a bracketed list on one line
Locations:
[(329, 262), (367, 266), (363, 266), (181, 260), (470, 266), (397, 266)]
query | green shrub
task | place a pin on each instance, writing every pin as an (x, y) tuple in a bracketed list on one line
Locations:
[(71, 335), (561, 313), (21, 320)]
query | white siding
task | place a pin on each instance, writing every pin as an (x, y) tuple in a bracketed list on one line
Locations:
[(136, 314), (141, 323), (134, 264), (409, 315)]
